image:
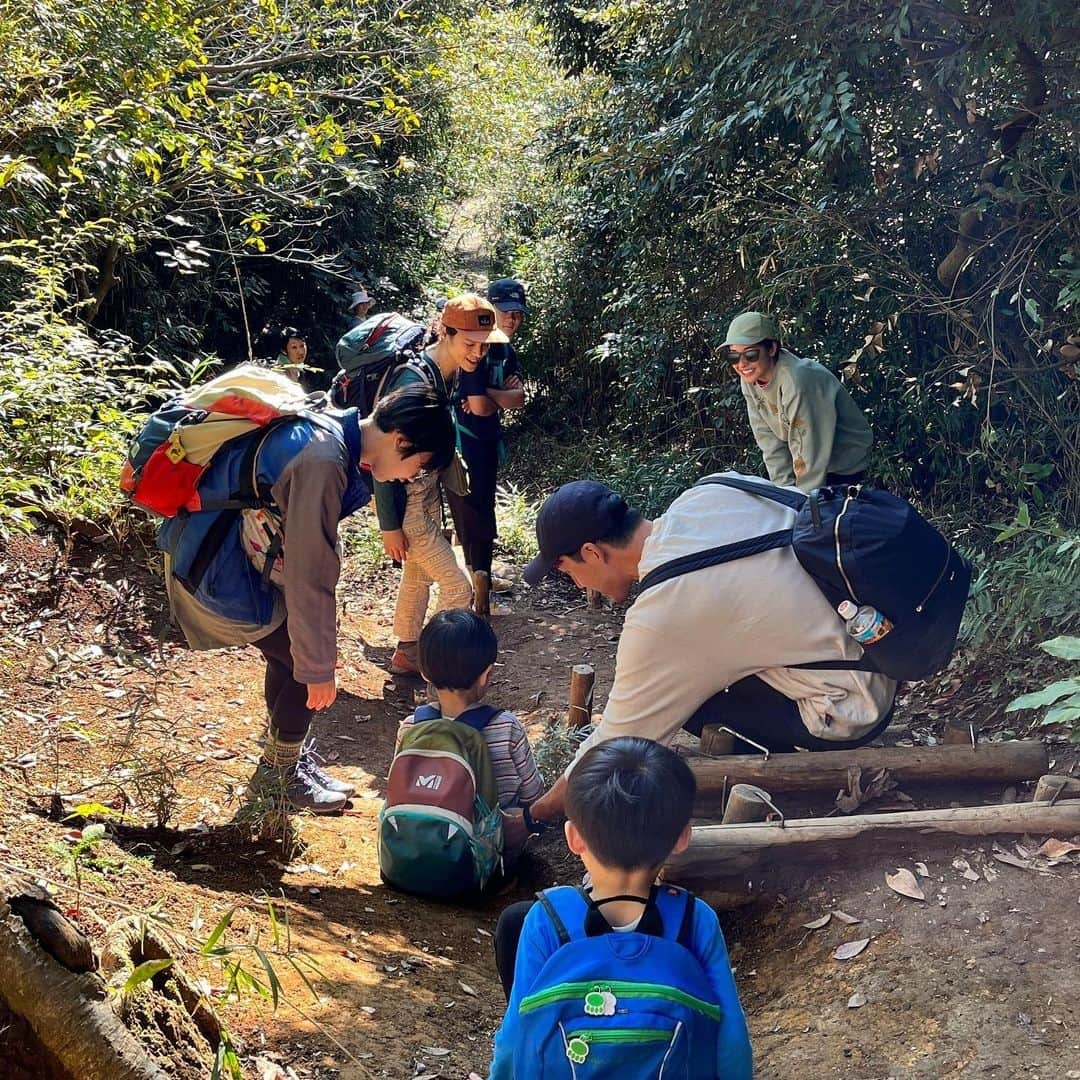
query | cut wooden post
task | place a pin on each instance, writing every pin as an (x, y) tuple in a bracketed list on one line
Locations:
[(747, 803), (716, 743), (827, 770), (582, 677), (722, 850), (481, 593), (1051, 788), (959, 733), (592, 599)]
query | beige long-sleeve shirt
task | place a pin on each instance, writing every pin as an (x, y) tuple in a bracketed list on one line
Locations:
[(690, 637), (806, 424)]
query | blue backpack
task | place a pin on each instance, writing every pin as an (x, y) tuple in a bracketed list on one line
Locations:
[(864, 545), (609, 1004)]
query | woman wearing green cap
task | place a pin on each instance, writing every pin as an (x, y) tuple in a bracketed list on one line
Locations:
[(806, 424)]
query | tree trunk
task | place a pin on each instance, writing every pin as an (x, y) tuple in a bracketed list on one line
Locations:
[(69, 1012)]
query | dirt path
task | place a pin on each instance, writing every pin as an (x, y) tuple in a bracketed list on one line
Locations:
[(978, 981)]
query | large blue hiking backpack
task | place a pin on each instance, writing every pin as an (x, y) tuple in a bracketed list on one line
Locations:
[(367, 353), (864, 545), (609, 1004), (440, 829)]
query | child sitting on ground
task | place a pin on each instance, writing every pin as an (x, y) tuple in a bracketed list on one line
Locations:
[(457, 768), (631, 977)]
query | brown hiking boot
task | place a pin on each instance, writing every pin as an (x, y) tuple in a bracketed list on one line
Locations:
[(481, 592)]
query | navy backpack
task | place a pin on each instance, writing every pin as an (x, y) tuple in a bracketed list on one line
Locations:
[(608, 1004), (864, 545)]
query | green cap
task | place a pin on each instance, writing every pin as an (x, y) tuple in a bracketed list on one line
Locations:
[(751, 327)]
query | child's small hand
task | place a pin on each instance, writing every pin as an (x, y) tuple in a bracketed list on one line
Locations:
[(514, 832)]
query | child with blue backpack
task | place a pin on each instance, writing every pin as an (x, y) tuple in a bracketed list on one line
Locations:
[(457, 768), (628, 977)]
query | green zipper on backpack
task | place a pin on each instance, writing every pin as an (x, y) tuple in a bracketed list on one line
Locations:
[(620, 1035), (569, 991), (578, 1042)]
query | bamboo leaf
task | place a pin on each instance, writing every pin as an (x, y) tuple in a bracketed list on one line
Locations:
[(143, 972), (215, 934)]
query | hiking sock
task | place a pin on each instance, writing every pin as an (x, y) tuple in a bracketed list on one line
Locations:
[(279, 754)]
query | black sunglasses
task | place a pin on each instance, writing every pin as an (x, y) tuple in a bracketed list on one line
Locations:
[(749, 356)]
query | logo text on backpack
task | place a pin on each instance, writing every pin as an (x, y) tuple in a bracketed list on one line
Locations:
[(432, 782)]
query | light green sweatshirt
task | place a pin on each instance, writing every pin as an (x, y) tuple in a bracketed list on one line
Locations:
[(806, 424)]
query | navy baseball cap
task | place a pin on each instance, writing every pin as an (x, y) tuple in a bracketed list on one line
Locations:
[(580, 512), (507, 294)]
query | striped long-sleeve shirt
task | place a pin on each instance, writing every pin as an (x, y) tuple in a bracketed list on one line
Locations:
[(517, 778)]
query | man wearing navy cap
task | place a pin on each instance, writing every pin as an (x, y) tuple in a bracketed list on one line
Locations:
[(495, 385), (716, 646)]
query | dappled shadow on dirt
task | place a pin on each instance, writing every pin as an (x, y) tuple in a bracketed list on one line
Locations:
[(978, 980)]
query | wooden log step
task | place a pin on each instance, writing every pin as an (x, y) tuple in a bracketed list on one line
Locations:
[(827, 770), (717, 851)]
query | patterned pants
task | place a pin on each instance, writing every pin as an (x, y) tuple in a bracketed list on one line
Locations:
[(430, 560)]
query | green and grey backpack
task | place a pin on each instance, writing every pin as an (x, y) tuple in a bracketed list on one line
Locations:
[(440, 829)]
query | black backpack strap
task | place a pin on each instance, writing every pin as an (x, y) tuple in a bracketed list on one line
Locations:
[(553, 915), (795, 500), (686, 928), (835, 665), (698, 560)]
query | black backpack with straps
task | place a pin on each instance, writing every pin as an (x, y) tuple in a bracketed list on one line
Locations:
[(867, 546)]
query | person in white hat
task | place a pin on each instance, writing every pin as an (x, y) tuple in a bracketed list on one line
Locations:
[(360, 305), (808, 428)]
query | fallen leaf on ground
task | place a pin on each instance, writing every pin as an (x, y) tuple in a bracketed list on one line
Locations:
[(850, 949), (844, 917), (856, 795), (904, 883), (1057, 849), (856, 1001), (436, 1051), (1012, 860), (468, 989), (965, 869), (817, 924), (920, 869)]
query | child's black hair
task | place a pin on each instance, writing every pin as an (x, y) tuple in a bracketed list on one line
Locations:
[(630, 798), (455, 648), (416, 412), (290, 332)]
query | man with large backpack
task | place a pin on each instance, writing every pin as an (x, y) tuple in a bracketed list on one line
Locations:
[(289, 475), (737, 622), (410, 516)]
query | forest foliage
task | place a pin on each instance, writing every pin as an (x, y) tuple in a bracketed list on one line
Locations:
[(178, 181), (897, 182)]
